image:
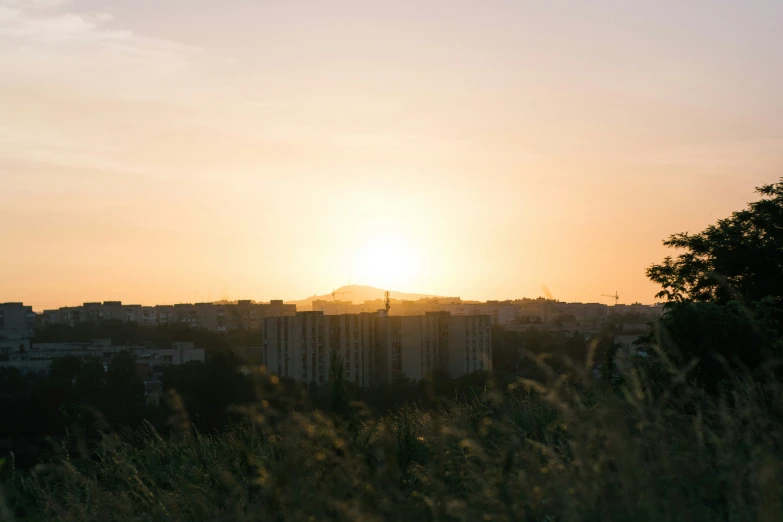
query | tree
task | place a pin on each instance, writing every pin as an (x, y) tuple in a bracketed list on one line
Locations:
[(738, 258), (65, 369), (90, 382), (506, 350), (724, 293), (210, 389), (723, 339), (338, 393), (124, 389)]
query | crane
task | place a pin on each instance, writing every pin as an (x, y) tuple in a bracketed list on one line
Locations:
[(616, 297)]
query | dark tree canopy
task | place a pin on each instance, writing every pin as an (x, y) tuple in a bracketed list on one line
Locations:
[(738, 258)]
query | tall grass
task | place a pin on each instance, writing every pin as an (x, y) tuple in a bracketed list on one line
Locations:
[(569, 450)]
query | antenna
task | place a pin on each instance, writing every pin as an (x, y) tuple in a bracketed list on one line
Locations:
[(388, 301), (616, 297)]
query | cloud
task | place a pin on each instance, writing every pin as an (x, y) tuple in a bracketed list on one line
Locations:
[(37, 4), (78, 88), (45, 21), (49, 42)]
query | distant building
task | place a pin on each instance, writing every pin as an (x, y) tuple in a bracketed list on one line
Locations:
[(217, 317), (17, 321), (375, 348), (650, 311), (590, 313), (150, 362), (102, 349), (502, 313)]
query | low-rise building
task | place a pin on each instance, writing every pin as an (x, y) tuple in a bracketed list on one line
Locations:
[(150, 362)]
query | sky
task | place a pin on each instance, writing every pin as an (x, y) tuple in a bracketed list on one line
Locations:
[(164, 151)]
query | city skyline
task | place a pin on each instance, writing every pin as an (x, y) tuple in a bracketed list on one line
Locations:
[(161, 152), (397, 295)]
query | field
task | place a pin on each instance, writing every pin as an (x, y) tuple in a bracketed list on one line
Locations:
[(573, 449)]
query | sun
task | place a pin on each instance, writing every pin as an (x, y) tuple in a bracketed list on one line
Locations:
[(386, 262)]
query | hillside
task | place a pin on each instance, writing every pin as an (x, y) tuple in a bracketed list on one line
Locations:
[(357, 294)]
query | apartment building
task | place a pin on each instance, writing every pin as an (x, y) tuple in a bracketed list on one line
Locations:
[(537, 310), (376, 348), (217, 317), (590, 313), (299, 347), (650, 311), (17, 321), (417, 346), (502, 313)]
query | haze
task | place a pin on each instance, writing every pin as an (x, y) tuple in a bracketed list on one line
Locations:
[(166, 151)]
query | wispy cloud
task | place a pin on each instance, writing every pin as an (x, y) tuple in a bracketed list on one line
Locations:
[(48, 21), (72, 81), (51, 42)]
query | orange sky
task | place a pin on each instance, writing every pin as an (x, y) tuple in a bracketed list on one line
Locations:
[(167, 151)]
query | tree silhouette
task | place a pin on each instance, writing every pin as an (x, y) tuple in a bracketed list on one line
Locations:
[(724, 293), (124, 393), (738, 258), (338, 393)]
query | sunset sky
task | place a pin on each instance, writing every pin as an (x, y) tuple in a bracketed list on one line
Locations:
[(162, 151)]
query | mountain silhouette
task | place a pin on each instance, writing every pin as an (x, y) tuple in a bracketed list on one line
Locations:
[(356, 294)]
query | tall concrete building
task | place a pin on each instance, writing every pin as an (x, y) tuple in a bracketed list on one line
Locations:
[(375, 348), (300, 347)]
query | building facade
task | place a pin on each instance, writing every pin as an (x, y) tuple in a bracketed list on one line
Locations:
[(17, 321), (217, 317), (502, 314), (375, 348)]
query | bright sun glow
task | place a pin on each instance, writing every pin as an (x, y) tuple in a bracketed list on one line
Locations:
[(386, 262)]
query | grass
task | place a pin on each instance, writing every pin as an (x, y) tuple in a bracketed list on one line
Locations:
[(570, 450)]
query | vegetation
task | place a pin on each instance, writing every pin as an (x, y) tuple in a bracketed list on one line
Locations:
[(738, 258), (688, 429), (725, 293), (160, 336), (568, 451)]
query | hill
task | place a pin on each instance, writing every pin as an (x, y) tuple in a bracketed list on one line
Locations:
[(357, 294)]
